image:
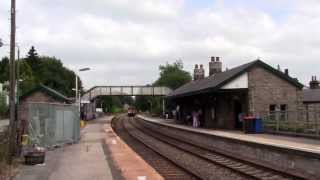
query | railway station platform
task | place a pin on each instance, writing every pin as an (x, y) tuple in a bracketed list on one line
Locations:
[(295, 143), (297, 155)]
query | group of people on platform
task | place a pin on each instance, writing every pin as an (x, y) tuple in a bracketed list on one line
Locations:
[(194, 119)]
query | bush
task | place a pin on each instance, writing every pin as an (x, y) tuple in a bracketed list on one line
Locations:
[(3, 106)]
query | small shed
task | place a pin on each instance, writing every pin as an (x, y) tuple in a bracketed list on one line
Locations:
[(39, 94)]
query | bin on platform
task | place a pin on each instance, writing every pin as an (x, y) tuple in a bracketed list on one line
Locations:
[(258, 125), (249, 124)]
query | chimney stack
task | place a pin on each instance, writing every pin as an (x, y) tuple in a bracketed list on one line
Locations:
[(201, 72), (196, 72), (215, 66), (314, 83), (286, 72)]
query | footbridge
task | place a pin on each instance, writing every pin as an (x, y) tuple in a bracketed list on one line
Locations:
[(96, 91), (88, 100)]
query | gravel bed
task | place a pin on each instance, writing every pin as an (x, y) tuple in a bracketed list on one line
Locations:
[(202, 141), (200, 167)]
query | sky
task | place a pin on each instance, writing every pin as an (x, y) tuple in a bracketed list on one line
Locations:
[(125, 41)]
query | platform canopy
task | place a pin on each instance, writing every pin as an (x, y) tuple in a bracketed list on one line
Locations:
[(124, 91)]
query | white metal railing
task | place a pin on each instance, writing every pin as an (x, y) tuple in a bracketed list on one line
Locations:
[(305, 123), (125, 91)]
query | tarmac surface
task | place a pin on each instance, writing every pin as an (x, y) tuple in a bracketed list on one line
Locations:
[(86, 160)]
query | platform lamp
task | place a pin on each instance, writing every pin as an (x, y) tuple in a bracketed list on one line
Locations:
[(78, 94)]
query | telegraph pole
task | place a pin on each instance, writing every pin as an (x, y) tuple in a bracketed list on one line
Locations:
[(12, 94)]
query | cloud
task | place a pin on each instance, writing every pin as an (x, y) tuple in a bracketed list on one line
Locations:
[(124, 41)]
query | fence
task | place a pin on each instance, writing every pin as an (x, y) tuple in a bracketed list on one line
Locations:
[(304, 123), (53, 124)]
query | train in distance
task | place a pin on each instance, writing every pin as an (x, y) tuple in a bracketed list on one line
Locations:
[(132, 111)]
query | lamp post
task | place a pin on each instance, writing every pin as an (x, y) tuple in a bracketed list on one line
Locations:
[(78, 94)]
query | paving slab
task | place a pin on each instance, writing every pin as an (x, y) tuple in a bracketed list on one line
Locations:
[(131, 165), (86, 160)]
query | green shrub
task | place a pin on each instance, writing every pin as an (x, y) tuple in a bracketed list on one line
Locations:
[(3, 105)]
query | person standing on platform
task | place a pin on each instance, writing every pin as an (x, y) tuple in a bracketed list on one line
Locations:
[(195, 119), (178, 112)]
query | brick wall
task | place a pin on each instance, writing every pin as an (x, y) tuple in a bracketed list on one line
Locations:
[(265, 89)]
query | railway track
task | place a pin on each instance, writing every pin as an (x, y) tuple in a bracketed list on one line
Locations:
[(162, 165), (201, 162)]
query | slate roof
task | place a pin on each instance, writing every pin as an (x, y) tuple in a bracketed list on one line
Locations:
[(311, 96), (215, 82), (51, 92)]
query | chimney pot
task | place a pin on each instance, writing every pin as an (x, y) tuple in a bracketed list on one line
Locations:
[(215, 66), (286, 71), (314, 84)]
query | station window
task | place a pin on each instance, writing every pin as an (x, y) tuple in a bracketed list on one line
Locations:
[(283, 112), (272, 108), (283, 107), (272, 112)]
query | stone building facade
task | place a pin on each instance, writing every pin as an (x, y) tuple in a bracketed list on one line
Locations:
[(268, 92), (225, 97), (311, 101)]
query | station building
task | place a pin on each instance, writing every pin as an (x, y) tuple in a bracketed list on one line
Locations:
[(254, 88), (311, 100)]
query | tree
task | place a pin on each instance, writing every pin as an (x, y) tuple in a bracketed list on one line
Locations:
[(33, 59), (172, 75), (35, 69), (4, 69), (142, 103), (3, 105), (26, 77)]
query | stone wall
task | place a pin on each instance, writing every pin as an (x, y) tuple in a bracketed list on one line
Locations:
[(265, 89), (311, 112)]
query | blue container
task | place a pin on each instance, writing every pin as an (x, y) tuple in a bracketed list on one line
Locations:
[(258, 125)]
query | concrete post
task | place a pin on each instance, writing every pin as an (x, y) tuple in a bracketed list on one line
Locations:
[(163, 106)]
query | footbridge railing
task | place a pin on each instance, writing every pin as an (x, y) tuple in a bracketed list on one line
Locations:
[(124, 91)]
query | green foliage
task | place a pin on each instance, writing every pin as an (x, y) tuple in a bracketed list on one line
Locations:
[(35, 69), (3, 106), (173, 75), (33, 59), (52, 73), (4, 69), (114, 104), (26, 77), (143, 103)]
